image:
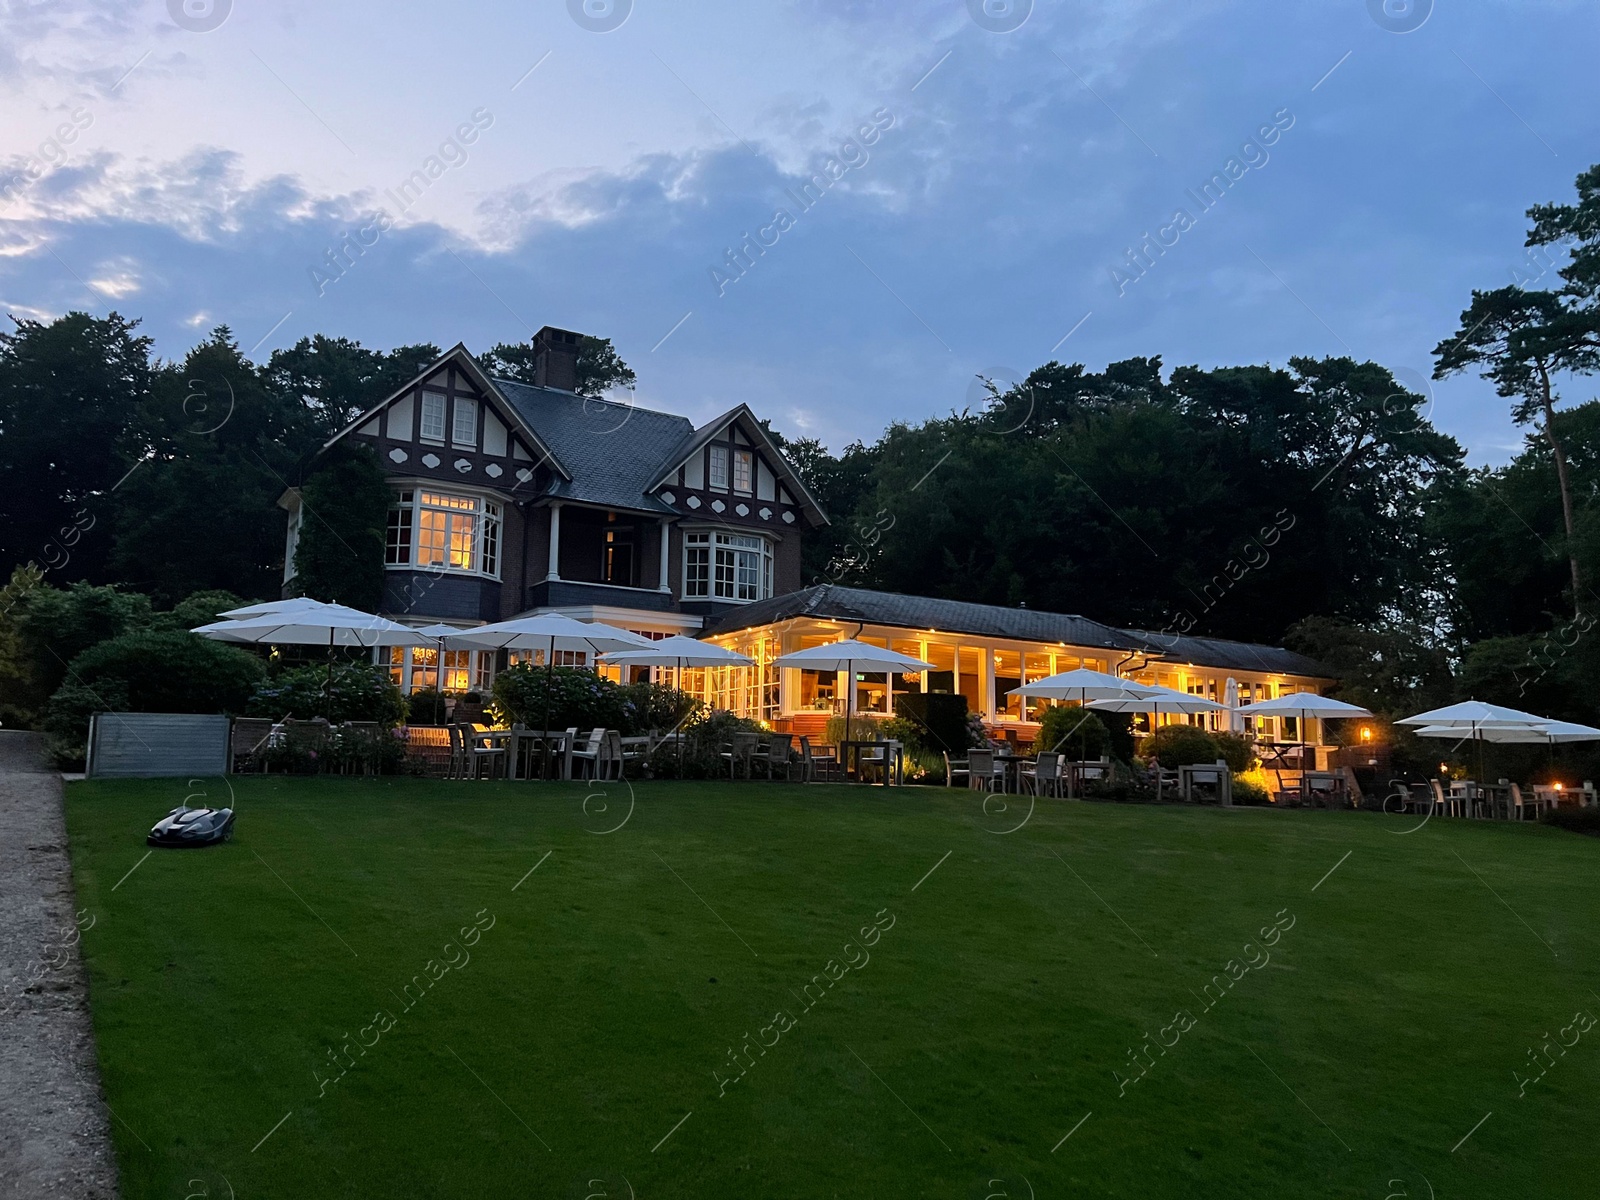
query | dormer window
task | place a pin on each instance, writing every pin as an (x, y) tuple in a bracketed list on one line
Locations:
[(464, 432), (719, 468), (432, 417), (744, 468)]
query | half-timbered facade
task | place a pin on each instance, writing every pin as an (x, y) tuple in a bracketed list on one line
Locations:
[(511, 498)]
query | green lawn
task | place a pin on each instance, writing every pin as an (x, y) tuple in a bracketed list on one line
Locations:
[(990, 1008)]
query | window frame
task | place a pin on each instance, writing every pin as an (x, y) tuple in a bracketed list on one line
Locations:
[(717, 566), (423, 435), (464, 407), (743, 457), (416, 511), (718, 456)]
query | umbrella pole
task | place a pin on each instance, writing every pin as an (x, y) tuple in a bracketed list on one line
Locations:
[(549, 689), (680, 732), (327, 688), (849, 698)]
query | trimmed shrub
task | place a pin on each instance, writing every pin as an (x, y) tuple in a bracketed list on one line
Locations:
[(573, 698), (1574, 819), (1076, 732), (1181, 745), (941, 721), (1236, 748), (358, 692), (148, 671), (426, 707)]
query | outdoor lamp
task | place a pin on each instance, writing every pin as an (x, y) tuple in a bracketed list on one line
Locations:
[(1366, 733)]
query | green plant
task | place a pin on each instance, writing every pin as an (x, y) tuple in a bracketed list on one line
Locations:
[(572, 698), (700, 755), (1236, 749), (1180, 745), (426, 707), (356, 692), (1249, 791), (1574, 819), (940, 719), (1075, 732), (344, 513), (148, 671)]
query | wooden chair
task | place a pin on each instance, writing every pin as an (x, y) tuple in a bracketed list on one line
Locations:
[(954, 767), (470, 756), (983, 773), (1521, 806), (816, 763), (587, 756), (1444, 804), (1045, 777), (740, 750), (880, 759), (775, 750)]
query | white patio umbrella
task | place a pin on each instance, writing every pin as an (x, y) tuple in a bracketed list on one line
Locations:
[(327, 625), (551, 632), (1473, 719), (1155, 699), (680, 652), (850, 656), (1303, 705), (1230, 697), (1082, 685), (291, 604)]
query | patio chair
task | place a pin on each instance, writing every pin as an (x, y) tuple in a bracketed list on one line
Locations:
[(631, 751), (817, 763), (775, 750), (1521, 806), (1443, 803), (470, 755), (740, 750), (983, 773), (587, 756), (954, 767), (878, 758), (1046, 776)]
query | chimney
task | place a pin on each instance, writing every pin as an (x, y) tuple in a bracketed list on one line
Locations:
[(555, 358)]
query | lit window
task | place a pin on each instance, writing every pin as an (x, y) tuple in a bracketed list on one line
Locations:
[(432, 417), (442, 530), (465, 430), (727, 566), (743, 470), (719, 468)]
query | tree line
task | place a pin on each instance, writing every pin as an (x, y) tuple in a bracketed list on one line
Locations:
[(1313, 503)]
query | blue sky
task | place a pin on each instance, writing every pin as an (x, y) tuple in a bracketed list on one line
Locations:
[(220, 151)]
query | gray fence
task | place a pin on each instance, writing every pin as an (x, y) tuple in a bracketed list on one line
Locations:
[(150, 745)]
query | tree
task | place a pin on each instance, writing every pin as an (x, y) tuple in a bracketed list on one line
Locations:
[(344, 515), (335, 380), (201, 510), (1520, 340), (599, 366), (72, 392)]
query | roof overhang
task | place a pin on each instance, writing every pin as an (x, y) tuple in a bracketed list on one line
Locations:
[(462, 358), (753, 428)]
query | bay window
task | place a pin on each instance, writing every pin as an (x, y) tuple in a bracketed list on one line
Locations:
[(445, 531), (726, 566)]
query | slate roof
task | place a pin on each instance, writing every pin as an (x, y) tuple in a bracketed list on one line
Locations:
[(831, 602), (614, 451)]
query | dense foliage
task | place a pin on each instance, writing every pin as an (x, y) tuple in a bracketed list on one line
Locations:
[(345, 507), (353, 692), (579, 699), (148, 670)]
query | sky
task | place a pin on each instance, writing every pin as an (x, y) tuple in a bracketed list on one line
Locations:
[(979, 170)]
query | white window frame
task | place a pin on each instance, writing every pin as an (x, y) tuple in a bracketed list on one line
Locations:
[(481, 515), (732, 567), (466, 438), (744, 461), (431, 417), (717, 469)]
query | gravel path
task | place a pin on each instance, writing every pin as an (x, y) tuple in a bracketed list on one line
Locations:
[(54, 1139)]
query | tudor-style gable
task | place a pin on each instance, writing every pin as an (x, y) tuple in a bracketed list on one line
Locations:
[(731, 469), (451, 423)]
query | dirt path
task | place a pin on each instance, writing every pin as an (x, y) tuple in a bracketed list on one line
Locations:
[(54, 1139)]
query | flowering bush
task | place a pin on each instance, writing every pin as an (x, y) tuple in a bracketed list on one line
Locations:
[(358, 692), (581, 699)]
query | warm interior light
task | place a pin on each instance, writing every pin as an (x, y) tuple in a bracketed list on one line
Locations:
[(1558, 787), (1366, 733), (1444, 768)]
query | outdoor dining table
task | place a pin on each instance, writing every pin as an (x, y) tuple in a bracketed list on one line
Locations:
[(1013, 763), (513, 740), (892, 761)]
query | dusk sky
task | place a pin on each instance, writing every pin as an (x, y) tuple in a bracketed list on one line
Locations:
[(193, 164)]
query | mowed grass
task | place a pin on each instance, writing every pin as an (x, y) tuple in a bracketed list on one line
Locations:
[(607, 991)]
